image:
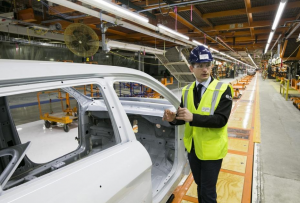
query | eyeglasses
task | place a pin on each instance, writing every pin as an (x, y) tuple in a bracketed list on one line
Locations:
[(201, 65)]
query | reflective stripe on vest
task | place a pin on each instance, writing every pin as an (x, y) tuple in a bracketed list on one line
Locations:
[(215, 96), (186, 94)]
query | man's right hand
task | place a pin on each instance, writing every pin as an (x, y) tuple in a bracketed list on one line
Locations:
[(169, 116)]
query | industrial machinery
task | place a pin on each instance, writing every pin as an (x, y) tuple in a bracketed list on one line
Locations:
[(295, 83), (296, 102), (237, 94), (238, 85), (251, 71), (66, 116)]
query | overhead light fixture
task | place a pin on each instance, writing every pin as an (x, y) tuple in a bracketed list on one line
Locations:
[(133, 47), (267, 47), (107, 6), (270, 37), (279, 13), (172, 31), (198, 43), (275, 23), (252, 60)]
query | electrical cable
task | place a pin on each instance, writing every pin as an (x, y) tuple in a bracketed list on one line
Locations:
[(49, 7)]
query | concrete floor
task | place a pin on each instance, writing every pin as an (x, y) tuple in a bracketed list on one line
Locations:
[(280, 151)]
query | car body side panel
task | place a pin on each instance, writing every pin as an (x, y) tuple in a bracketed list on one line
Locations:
[(123, 171), (113, 175), (180, 163)]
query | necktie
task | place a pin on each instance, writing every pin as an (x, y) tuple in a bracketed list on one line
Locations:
[(199, 87)]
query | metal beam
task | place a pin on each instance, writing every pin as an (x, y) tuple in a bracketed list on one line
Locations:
[(137, 8), (28, 32), (180, 9), (231, 33), (298, 54), (152, 32), (283, 49), (259, 9), (238, 26), (291, 59), (175, 63), (249, 15)]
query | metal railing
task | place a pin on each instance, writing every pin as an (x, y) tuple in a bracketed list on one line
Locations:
[(285, 85)]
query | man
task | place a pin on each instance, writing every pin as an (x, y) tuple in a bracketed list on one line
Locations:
[(205, 108)]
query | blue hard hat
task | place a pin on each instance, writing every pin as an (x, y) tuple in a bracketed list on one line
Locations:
[(200, 54)]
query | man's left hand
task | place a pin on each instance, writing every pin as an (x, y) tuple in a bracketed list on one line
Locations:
[(184, 114)]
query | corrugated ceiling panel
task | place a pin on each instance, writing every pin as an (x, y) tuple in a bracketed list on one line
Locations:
[(255, 3), (290, 13), (229, 20), (291, 47), (169, 22), (221, 6), (270, 15), (262, 28), (197, 21)]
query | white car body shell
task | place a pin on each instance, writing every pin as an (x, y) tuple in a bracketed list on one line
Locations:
[(121, 173)]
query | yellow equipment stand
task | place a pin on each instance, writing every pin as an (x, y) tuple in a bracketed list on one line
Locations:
[(66, 116)]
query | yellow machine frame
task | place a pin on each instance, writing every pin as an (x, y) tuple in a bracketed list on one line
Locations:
[(66, 120)]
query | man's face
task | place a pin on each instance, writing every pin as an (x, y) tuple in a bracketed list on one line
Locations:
[(201, 70)]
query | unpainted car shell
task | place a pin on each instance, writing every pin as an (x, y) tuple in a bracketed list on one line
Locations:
[(251, 72), (121, 173)]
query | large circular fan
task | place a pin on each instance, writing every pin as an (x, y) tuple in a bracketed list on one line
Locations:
[(81, 40)]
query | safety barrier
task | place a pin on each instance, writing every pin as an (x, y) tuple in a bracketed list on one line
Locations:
[(284, 85)]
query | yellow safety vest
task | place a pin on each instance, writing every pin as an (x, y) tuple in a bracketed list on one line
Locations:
[(210, 143)]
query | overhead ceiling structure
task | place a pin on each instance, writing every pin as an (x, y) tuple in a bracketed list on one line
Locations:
[(236, 28)]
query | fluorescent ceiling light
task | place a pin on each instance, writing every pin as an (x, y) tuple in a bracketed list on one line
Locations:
[(198, 43), (252, 60), (270, 37), (278, 14), (107, 5), (267, 47), (172, 31), (133, 47)]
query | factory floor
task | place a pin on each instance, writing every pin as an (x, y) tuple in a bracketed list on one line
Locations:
[(263, 160)]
